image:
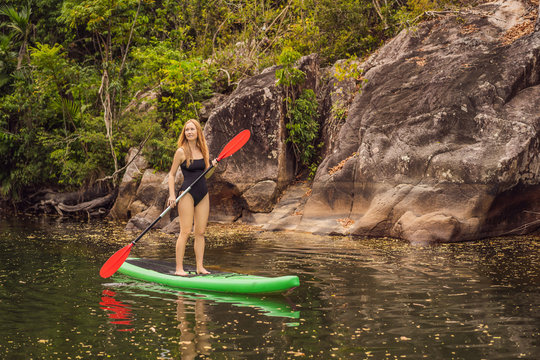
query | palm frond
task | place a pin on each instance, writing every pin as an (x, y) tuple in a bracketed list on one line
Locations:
[(71, 108), (19, 21)]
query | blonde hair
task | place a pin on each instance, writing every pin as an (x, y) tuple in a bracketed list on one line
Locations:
[(201, 143)]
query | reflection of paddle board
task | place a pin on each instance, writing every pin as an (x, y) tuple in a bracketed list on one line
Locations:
[(162, 272), (273, 306)]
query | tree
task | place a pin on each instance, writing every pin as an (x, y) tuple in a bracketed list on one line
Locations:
[(7, 59), (19, 23), (106, 20)]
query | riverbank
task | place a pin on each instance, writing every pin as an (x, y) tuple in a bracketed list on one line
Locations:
[(433, 138)]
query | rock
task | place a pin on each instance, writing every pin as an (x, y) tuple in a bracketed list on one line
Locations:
[(537, 26), (286, 214), (137, 223), (427, 228), (143, 102), (446, 127), (150, 201), (257, 105), (226, 205), (154, 189), (142, 220), (336, 97), (261, 196), (209, 105), (128, 185), (137, 207), (173, 227)]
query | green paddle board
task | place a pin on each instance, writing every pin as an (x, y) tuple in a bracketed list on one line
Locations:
[(162, 272)]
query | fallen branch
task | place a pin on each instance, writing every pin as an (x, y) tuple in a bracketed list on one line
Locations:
[(523, 228), (88, 205), (96, 205), (50, 202)]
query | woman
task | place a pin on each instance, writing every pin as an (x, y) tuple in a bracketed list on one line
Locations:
[(193, 209)]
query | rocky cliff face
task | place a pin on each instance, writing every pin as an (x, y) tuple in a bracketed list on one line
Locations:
[(441, 144)]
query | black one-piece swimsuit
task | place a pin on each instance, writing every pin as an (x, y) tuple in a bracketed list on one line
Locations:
[(191, 173)]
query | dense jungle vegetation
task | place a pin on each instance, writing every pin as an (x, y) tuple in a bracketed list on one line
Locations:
[(73, 72)]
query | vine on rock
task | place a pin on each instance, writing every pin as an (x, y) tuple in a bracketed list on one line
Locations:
[(301, 112)]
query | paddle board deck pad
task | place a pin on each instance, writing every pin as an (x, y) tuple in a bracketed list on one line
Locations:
[(162, 272)]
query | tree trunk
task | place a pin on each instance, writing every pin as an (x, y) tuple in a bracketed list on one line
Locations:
[(108, 97), (22, 52), (105, 97)]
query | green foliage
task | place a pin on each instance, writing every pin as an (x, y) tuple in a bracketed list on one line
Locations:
[(340, 111), (288, 75), (185, 84), (302, 125), (418, 7), (350, 69), (303, 128), (160, 152), (414, 11), (171, 54), (302, 36), (19, 27), (97, 14), (8, 59), (160, 142), (54, 72), (19, 21), (346, 28), (149, 64)]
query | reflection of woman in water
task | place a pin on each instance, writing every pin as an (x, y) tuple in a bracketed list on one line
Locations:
[(194, 338)]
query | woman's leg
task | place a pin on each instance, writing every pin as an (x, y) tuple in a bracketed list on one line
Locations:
[(185, 215), (200, 220)]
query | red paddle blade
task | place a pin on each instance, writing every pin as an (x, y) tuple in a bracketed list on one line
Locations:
[(234, 145), (115, 261)]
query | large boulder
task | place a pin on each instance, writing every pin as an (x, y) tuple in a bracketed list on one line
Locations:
[(137, 164), (150, 201), (255, 175), (443, 143)]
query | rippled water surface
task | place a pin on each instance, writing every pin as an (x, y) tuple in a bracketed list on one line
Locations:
[(358, 298)]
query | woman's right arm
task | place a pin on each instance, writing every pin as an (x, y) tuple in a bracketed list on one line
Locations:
[(179, 158)]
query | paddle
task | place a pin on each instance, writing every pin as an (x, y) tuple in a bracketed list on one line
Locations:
[(120, 256)]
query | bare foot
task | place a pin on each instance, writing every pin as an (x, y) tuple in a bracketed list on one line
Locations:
[(181, 273), (203, 271)]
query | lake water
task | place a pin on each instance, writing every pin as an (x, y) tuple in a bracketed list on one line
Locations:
[(358, 299)]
